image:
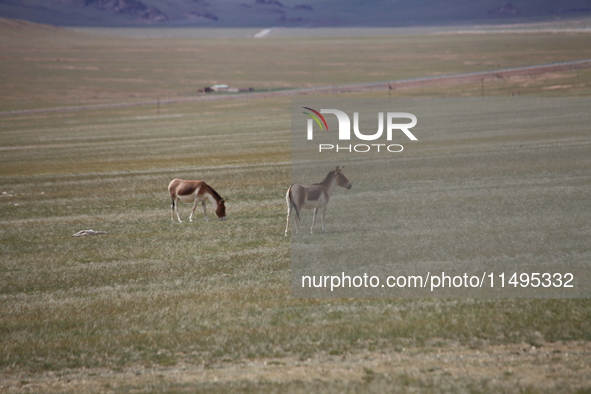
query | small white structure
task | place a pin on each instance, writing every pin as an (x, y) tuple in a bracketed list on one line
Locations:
[(220, 88)]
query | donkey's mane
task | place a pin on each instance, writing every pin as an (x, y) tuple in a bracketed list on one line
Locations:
[(213, 191), (326, 178)]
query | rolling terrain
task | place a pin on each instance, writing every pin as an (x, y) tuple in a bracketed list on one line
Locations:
[(289, 13)]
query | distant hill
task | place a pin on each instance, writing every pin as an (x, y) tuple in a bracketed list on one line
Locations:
[(296, 13)]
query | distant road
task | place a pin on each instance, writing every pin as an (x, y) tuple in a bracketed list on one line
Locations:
[(400, 83)]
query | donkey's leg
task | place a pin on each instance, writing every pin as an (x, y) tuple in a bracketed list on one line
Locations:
[(296, 220), (193, 210), (323, 209), (172, 211), (313, 220), (204, 212), (288, 213), (176, 209)]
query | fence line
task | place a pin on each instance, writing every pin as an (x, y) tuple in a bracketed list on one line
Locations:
[(465, 77)]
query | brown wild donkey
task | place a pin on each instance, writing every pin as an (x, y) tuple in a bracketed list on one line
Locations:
[(195, 192), (314, 196)]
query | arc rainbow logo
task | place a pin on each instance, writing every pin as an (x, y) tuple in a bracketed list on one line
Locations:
[(317, 117)]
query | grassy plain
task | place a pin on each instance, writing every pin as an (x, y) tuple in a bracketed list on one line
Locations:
[(49, 67), (206, 306)]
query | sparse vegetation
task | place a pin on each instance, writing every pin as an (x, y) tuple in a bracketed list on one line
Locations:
[(158, 306)]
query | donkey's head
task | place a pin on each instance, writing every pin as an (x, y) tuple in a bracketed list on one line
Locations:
[(342, 180), (220, 210)]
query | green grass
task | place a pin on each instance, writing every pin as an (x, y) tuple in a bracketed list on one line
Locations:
[(156, 294), (154, 298)]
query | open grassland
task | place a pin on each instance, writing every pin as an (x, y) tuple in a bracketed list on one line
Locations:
[(49, 67), (153, 300), (206, 306)]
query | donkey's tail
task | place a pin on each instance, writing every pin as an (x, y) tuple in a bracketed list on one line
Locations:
[(290, 202)]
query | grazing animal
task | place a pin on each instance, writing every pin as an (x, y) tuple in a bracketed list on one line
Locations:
[(195, 192), (314, 196)]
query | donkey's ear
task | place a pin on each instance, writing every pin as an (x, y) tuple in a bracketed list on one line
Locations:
[(337, 169)]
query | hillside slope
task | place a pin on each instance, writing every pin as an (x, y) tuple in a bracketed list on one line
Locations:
[(305, 13)]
